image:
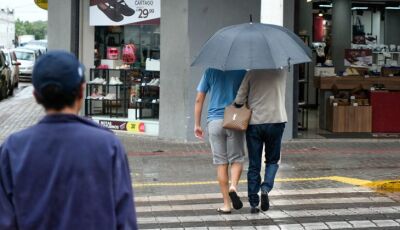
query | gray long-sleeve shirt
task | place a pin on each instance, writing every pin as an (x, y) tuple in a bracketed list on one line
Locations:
[(264, 91)]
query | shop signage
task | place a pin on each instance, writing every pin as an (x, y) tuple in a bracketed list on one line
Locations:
[(42, 4), (136, 127), (358, 57), (114, 13)]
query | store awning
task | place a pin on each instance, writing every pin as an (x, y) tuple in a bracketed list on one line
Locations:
[(42, 4)]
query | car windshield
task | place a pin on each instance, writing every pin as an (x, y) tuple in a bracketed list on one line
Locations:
[(26, 56)]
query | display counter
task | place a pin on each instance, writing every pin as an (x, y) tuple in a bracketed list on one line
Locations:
[(345, 119), (384, 109), (386, 112), (352, 82)]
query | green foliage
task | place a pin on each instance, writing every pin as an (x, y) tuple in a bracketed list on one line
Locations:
[(38, 28)]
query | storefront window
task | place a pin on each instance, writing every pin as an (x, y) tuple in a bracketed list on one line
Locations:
[(123, 90), (355, 68)]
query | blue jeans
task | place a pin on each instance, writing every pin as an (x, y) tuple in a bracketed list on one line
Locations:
[(256, 137)]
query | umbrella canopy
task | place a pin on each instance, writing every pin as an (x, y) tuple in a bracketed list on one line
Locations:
[(253, 46)]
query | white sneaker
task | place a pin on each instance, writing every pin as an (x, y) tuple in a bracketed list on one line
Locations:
[(97, 80), (156, 82), (110, 96), (151, 82), (117, 81), (113, 81), (95, 96)]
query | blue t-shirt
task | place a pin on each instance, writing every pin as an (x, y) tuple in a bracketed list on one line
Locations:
[(223, 86)]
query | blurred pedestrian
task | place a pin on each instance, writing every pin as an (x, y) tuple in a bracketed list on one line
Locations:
[(65, 172), (227, 146), (264, 92)]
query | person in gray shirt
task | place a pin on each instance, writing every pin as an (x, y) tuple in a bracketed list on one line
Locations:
[(264, 92)]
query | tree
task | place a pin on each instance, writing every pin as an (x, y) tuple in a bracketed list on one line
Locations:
[(37, 28)]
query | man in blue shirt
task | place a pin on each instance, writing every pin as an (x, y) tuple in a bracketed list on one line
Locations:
[(65, 172), (227, 145)]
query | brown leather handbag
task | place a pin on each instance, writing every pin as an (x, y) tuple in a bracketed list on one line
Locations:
[(236, 118)]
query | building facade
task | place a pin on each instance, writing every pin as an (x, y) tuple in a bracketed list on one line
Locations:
[(7, 28), (171, 41)]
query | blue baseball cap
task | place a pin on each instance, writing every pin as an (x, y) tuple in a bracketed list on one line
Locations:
[(58, 68)]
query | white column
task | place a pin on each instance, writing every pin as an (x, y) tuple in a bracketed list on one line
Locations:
[(272, 12), (59, 25)]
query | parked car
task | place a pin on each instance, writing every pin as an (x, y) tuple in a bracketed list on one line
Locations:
[(5, 77), (13, 63), (27, 58), (41, 49), (42, 43)]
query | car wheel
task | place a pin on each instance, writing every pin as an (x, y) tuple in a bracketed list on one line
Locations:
[(3, 89), (10, 89)]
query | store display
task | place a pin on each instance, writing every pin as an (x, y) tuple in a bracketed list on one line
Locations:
[(112, 53), (152, 64), (358, 57), (385, 112), (97, 80), (349, 118), (102, 66), (126, 81), (128, 54), (358, 32), (110, 96), (115, 81), (106, 94), (110, 64), (324, 71), (392, 48), (112, 92)]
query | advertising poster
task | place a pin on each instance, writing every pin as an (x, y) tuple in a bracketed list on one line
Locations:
[(358, 57), (135, 127), (120, 12)]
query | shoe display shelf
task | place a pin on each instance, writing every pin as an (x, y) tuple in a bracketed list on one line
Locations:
[(147, 104), (107, 93)]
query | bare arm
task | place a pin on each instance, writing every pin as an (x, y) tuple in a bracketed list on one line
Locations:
[(198, 108)]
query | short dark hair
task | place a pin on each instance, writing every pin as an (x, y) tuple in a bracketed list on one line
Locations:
[(53, 97)]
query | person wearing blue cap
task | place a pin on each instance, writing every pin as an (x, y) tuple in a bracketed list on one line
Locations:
[(65, 172)]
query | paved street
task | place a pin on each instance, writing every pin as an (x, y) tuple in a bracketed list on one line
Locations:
[(321, 184)]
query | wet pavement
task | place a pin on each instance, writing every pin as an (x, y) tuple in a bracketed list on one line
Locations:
[(321, 184)]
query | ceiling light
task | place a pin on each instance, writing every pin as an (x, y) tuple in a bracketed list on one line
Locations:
[(392, 8), (326, 6), (309, 0), (360, 8)]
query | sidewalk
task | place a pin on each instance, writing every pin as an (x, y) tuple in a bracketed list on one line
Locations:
[(18, 112)]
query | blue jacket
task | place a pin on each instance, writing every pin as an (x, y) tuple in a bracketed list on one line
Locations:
[(65, 173)]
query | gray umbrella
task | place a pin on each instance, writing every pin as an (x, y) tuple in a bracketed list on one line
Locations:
[(253, 46)]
